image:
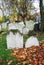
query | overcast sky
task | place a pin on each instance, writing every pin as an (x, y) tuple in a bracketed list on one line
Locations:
[(36, 5)]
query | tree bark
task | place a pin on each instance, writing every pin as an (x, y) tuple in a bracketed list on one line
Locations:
[(42, 15)]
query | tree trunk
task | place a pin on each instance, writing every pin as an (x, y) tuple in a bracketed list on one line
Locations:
[(42, 15)]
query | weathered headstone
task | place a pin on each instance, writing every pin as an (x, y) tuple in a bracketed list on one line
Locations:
[(14, 41), (32, 41)]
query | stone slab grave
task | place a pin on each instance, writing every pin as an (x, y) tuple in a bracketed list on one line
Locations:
[(14, 41)]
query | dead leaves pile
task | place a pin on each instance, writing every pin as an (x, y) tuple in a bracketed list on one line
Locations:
[(32, 56)]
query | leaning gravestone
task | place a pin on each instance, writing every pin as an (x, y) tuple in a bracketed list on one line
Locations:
[(14, 41), (32, 41)]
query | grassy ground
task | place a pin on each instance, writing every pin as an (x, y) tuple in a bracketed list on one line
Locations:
[(5, 54)]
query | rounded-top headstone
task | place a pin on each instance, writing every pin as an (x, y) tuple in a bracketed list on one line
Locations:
[(32, 41)]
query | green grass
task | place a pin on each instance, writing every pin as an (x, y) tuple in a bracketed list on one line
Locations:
[(5, 54), (41, 37)]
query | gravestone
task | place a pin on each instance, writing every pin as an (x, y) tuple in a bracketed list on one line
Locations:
[(14, 41), (25, 30), (21, 26), (32, 41), (12, 26), (30, 25), (4, 25)]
